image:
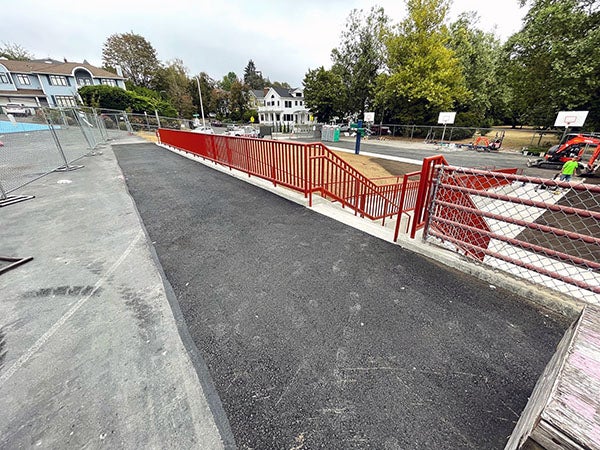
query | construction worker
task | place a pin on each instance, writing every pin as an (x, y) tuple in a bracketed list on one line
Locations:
[(568, 169)]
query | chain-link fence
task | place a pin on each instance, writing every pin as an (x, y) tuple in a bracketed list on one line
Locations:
[(27, 149), (116, 121), (472, 137), (545, 231)]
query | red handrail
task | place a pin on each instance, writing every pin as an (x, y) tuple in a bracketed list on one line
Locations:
[(306, 168)]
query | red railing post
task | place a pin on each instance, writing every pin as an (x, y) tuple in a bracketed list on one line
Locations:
[(306, 156)]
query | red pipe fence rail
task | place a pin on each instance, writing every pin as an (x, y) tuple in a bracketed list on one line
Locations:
[(533, 226), (306, 168)]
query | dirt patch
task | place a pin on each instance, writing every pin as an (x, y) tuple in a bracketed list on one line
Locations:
[(377, 167), (147, 135)]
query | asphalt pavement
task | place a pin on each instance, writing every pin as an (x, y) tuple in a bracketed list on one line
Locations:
[(317, 335)]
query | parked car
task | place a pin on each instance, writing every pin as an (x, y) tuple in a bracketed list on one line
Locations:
[(203, 130), (245, 131), (17, 109)]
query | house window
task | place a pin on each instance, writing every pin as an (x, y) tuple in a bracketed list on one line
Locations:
[(262, 117), (288, 117), (23, 79), (295, 102), (4, 78), (109, 82), (57, 80), (277, 117), (64, 100), (298, 94), (301, 102), (277, 102), (84, 81), (288, 103)]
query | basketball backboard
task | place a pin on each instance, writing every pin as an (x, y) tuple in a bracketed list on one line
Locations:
[(570, 119), (446, 118)]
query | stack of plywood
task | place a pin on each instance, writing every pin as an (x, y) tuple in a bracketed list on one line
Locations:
[(564, 409)]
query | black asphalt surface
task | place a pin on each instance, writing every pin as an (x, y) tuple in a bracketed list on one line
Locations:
[(318, 335)]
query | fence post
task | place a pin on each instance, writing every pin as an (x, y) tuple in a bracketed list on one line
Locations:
[(157, 118), (99, 124), (88, 137)]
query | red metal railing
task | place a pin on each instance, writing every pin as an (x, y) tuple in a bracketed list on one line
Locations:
[(307, 168), (533, 232), (415, 194)]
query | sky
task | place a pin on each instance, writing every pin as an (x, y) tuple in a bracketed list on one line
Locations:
[(284, 38)]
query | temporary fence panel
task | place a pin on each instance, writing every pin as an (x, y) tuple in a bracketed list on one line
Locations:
[(74, 135), (27, 150), (542, 230), (115, 123), (89, 120)]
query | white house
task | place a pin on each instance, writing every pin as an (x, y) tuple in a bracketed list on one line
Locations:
[(283, 106)]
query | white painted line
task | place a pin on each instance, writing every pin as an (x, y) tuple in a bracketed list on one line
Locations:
[(54, 328)]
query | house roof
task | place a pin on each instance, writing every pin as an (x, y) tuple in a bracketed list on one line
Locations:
[(53, 67), (258, 93), (283, 92)]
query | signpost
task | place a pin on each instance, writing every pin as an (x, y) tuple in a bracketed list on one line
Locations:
[(446, 118)]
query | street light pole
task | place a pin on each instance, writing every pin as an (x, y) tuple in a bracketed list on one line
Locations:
[(200, 95)]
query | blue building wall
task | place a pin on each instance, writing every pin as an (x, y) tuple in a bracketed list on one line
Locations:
[(7, 86)]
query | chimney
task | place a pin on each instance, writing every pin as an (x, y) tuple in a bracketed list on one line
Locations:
[(65, 59), (265, 90)]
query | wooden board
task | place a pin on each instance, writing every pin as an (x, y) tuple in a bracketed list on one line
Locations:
[(564, 409)]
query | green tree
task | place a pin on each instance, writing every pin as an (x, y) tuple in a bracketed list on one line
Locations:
[(207, 86), (425, 76), (174, 82), (227, 81), (253, 78), (360, 58), (15, 52), (219, 102), (279, 84), (322, 93), (479, 54), (133, 54), (109, 97), (238, 100), (554, 60)]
